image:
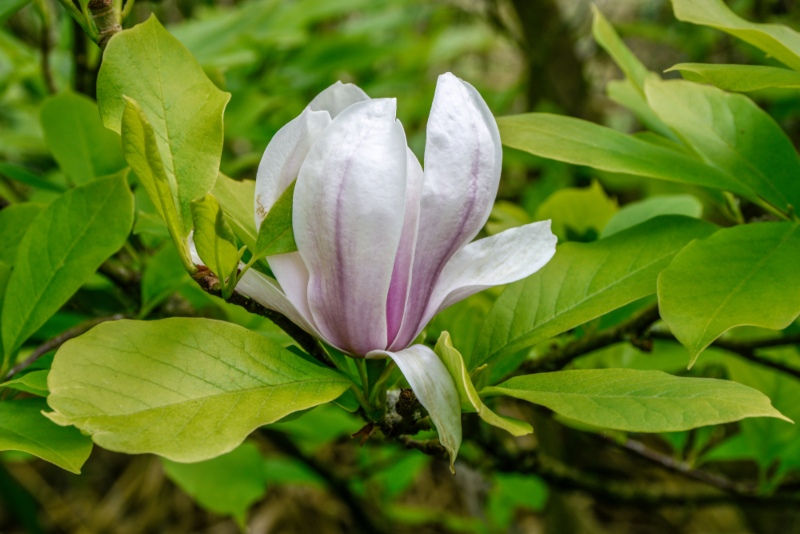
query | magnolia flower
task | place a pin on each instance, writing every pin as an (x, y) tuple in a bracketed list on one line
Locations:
[(383, 246)]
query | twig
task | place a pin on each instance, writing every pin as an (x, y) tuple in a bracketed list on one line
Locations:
[(59, 340), (46, 45), (747, 350), (105, 19), (210, 284), (630, 330), (365, 521)]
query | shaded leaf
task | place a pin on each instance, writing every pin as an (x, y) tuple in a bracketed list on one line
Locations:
[(739, 78)]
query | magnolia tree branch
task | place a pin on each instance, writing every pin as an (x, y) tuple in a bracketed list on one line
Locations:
[(59, 340), (747, 349), (105, 19), (209, 282), (630, 330)]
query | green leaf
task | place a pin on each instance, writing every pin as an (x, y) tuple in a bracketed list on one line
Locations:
[(584, 143), (744, 275), (82, 146), (638, 401), (24, 428), (9, 7), (162, 277), (739, 78), (34, 383), (236, 198), (226, 485), (468, 395), (606, 37), (185, 389), (733, 135), (214, 239), (638, 212), (578, 214), (150, 66), (780, 42), (14, 222), (24, 176), (141, 151), (275, 236), (582, 282), (65, 244)]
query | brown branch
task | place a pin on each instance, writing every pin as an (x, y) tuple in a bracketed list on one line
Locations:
[(210, 284), (630, 330), (747, 350), (105, 19), (59, 340)]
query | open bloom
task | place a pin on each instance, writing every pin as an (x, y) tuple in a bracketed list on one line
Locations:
[(382, 245)]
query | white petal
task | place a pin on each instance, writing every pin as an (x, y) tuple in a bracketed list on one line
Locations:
[(500, 259), (283, 157), (401, 274), (349, 205), (337, 98), (266, 292), (292, 274), (463, 159), (435, 390)]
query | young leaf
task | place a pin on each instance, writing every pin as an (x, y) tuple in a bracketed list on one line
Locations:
[(236, 200), (65, 244), (584, 281), (733, 135), (638, 401), (578, 214), (584, 143), (141, 151), (185, 389), (34, 383), (82, 146), (214, 239), (226, 485), (644, 210), (781, 42), (24, 428), (470, 401), (744, 275), (739, 78), (275, 236), (150, 66), (606, 37)]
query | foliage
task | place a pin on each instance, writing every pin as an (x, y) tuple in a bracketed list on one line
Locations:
[(665, 326)]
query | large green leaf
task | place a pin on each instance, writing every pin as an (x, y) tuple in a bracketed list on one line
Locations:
[(780, 42), (226, 485), (732, 134), (638, 212), (163, 276), (185, 108), (82, 146), (739, 78), (606, 37), (578, 214), (744, 275), (584, 281), (14, 222), (585, 143), (186, 389), (638, 401), (24, 428), (65, 244)]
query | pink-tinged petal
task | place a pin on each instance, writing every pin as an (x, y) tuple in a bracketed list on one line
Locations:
[(266, 292), (500, 259), (401, 274), (292, 274), (283, 157), (338, 97), (435, 390), (349, 205), (463, 159)]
